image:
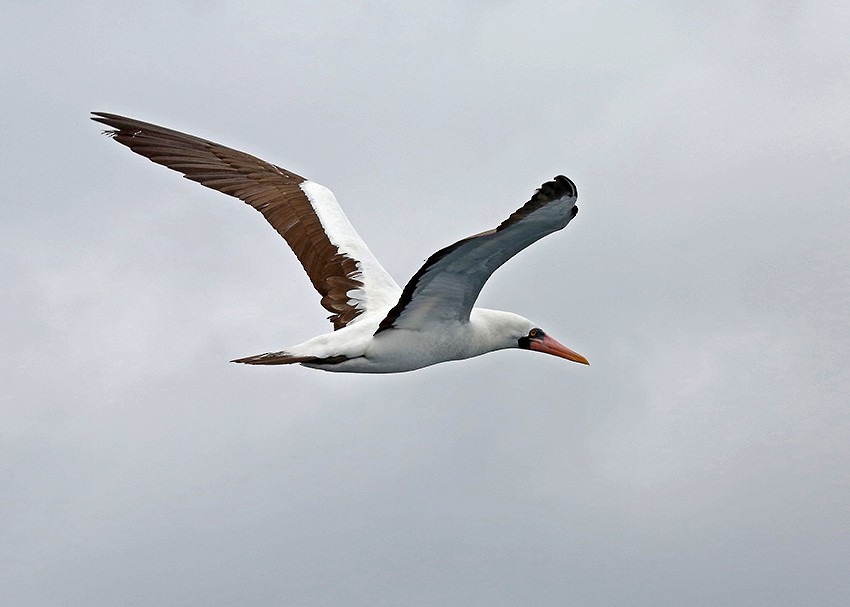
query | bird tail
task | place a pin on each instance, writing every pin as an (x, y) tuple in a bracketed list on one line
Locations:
[(274, 358)]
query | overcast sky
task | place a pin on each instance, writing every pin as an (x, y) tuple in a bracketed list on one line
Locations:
[(703, 459)]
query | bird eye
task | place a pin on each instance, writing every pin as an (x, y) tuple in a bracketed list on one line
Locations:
[(534, 332)]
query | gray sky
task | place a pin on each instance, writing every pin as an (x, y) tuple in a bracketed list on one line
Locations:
[(704, 458)]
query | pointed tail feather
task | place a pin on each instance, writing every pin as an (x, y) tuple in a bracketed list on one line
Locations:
[(274, 358)]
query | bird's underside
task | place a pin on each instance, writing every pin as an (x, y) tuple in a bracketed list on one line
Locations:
[(378, 326)]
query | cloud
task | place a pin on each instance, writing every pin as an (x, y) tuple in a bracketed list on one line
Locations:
[(700, 459)]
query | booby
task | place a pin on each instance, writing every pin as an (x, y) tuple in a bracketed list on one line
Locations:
[(378, 326)]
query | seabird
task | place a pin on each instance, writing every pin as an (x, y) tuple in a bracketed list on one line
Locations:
[(378, 326)]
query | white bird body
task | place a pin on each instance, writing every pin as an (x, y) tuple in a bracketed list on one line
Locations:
[(390, 351), (379, 327)]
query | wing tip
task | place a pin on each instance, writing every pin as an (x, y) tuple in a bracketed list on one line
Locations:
[(559, 187), (105, 118)]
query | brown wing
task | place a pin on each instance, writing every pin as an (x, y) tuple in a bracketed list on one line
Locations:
[(335, 271)]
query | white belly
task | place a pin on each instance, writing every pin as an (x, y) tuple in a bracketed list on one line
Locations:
[(399, 350)]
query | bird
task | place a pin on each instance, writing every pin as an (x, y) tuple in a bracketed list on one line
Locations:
[(378, 327)]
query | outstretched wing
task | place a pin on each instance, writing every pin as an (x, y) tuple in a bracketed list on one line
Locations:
[(446, 286), (340, 266)]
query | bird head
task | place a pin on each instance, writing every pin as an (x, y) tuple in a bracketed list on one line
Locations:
[(509, 330), (536, 339)]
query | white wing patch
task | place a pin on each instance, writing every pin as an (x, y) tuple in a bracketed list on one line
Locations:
[(379, 292)]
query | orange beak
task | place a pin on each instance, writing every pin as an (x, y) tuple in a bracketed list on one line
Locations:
[(555, 348)]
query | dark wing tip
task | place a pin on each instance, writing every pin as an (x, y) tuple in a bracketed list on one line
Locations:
[(104, 118), (107, 118), (559, 187), (122, 126)]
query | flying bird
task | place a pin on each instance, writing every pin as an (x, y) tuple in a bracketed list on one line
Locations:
[(378, 326)]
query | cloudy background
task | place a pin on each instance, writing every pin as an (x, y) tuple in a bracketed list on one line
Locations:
[(703, 458)]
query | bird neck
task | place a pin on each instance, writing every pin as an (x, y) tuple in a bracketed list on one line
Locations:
[(494, 329)]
